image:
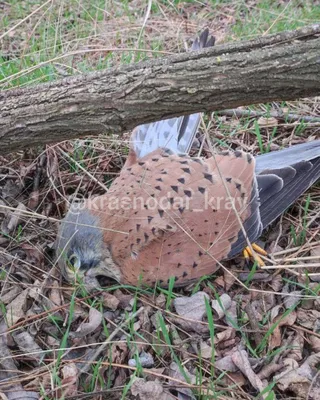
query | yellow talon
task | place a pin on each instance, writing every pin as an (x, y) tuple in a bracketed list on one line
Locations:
[(247, 253), (259, 249)]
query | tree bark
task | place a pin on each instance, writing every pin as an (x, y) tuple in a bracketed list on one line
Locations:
[(284, 66)]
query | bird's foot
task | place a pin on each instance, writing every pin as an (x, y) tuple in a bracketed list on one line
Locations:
[(247, 253)]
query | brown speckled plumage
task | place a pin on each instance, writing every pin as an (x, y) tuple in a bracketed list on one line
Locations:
[(180, 239)]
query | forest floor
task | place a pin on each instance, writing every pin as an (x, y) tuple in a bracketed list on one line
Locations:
[(239, 334)]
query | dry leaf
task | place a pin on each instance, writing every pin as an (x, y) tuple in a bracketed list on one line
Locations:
[(150, 389), (240, 358), (221, 306), (206, 351), (226, 364), (110, 301), (27, 344), (193, 307), (95, 319), (12, 220), (227, 334), (266, 122), (69, 382), (310, 319), (17, 309)]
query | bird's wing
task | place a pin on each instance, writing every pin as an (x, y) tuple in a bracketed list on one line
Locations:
[(182, 222), (176, 134), (282, 177)]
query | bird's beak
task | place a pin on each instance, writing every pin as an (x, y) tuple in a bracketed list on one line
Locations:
[(103, 270)]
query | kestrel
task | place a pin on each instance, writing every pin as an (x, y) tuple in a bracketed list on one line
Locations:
[(172, 216)]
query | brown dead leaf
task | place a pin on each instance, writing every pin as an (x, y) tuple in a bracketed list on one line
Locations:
[(110, 301), (310, 319), (175, 373), (240, 359), (17, 309), (205, 350), (267, 122), (149, 389), (13, 219), (298, 379), (119, 352), (69, 382), (193, 307), (95, 319), (55, 294), (226, 364), (275, 337), (227, 334), (27, 344), (34, 255), (221, 306)]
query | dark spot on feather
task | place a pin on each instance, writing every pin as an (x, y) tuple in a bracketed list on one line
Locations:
[(186, 170), (201, 189), (158, 187), (171, 200), (197, 160), (194, 265), (181, 209), (169, 227), (181, 180), (232, 239), (208, 176), (243, 195), (153, 230), (184, 162), (141, 163), (169, 245), (229, 179), (161, 213), (206, 220), (169, 252), (217, 223), (185, 274), (164, 172), (238, 153), (146, 237), (200, 253), (249, 158), (187, 193), (211, 243), (200, 235), (150, 218), (138, 241), (179, 265), (129, 169), (138, 227), (216, 233), (238, 186), (155, 159), (159, 180), (136, 212), (174, 188)]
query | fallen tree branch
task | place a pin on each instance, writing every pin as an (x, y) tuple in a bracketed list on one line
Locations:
[(283, 66)]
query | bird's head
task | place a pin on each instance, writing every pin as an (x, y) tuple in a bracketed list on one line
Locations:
[(80, 248)]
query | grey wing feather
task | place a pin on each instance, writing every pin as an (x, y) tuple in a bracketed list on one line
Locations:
[(176, 134), (287, 157), (296, 169)]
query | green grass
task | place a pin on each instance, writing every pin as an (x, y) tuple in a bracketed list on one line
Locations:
[(58, 40), (80, 36)]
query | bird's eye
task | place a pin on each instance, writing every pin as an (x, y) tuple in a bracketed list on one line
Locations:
[(74, 261)]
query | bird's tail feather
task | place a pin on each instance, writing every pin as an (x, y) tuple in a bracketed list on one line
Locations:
[(297, 167), (176, 134), (287, 157)]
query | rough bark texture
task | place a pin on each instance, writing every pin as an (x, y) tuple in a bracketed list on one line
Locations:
[(284, 66)]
